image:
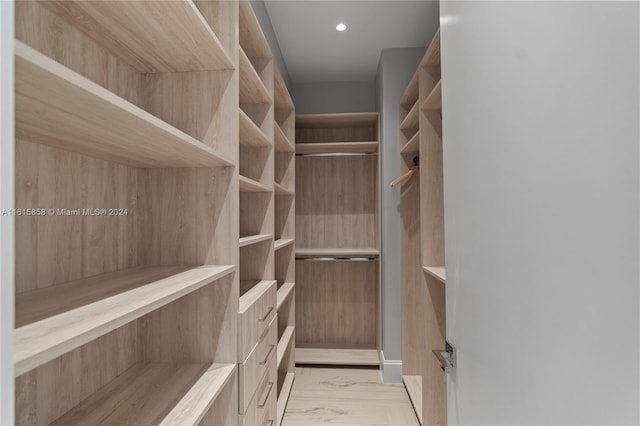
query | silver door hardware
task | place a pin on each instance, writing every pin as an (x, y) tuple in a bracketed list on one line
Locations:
[(447, 358)]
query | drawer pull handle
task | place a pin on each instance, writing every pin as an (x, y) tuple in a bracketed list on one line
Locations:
[(266, 396), (266, 315), (266, 358)]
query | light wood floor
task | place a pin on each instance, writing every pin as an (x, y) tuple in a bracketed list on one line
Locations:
[(339, 396)]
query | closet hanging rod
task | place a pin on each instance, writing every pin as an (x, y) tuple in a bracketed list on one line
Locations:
[(335, 154), (338, 259)]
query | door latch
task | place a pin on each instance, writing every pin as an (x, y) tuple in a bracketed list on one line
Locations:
[(447, 358)]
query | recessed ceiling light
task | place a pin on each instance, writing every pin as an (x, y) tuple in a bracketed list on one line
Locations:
[(341, 27)]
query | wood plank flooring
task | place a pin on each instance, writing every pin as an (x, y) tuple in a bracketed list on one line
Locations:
[(347, 397)]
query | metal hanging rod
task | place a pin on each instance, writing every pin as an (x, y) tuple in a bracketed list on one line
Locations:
[(338, 259), (336, 154)]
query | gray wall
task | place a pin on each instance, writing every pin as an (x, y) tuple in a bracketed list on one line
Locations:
[(267, 28), (395, 69), (541, 183), (347, 96)]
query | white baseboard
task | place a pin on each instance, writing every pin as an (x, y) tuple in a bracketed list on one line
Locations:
[(390, 369)]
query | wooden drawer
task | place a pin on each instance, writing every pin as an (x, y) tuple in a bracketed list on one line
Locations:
[(257, 309), (263, 405), (253, 369)]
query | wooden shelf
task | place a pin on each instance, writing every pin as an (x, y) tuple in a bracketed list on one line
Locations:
[(284, 342), (252, 39), (282, 142), (252, 88), (434, 100), (250, 134), (283, 397), (281, 98), (411, 120), (337, 147), (154, 393), (337, 356), (284, 292), (413, 384), (281, 190), (350, 119), (436, 272), (251, 291), (282, 242), (58, 107), (151, 36), (411, 93), (413, 146), (254, 239), (432, 55), (67, 316), (337, 252), (250, 185)]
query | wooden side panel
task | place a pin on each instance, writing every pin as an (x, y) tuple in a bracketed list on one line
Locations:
[(336, 304), (336, 201), (57, 247)]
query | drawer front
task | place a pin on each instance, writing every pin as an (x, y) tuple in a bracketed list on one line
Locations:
[(253, 369), (264, 400), (255, 316)]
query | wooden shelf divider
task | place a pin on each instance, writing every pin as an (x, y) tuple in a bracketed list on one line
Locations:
[(281, 190), (413, 384), (434, 100), (284, 342), (337, 147), (432, 55), (413, 146), (284, 292), (411, 120), (151, 36), (250, 133), (281, 141), (84, 310), (254, 239), (437, 272), (331, 356), (283, 398), (250, 185), (252, 88), (282, 242), (154, 393), (58, 107)]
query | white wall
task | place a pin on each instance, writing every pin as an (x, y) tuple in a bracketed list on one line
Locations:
[(345, 96), (6, 223), (541, 133), (395, 69)]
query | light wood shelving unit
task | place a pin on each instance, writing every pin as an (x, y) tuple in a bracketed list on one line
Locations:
[(116, 308), (174, 305), (285, 240), (338, 239), (423, 276)]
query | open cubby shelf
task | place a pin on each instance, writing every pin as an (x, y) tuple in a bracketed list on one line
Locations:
[(254, 239), (252, 88), (434, 100), (410, 122), (154, 393), (59, 107), (413, 146), (63, 317), (282, 141), (281, 190), (282, 242), (437, 272), (284, 292), (152, 36), (284, 343), (250, 134), (250, 185)]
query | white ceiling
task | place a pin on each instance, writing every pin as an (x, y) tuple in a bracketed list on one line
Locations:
[(315, 52)]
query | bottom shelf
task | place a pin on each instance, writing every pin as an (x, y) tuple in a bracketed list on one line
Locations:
[(327, 356), (438, 272), (413, 384), (284, 396), (154, 393)]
